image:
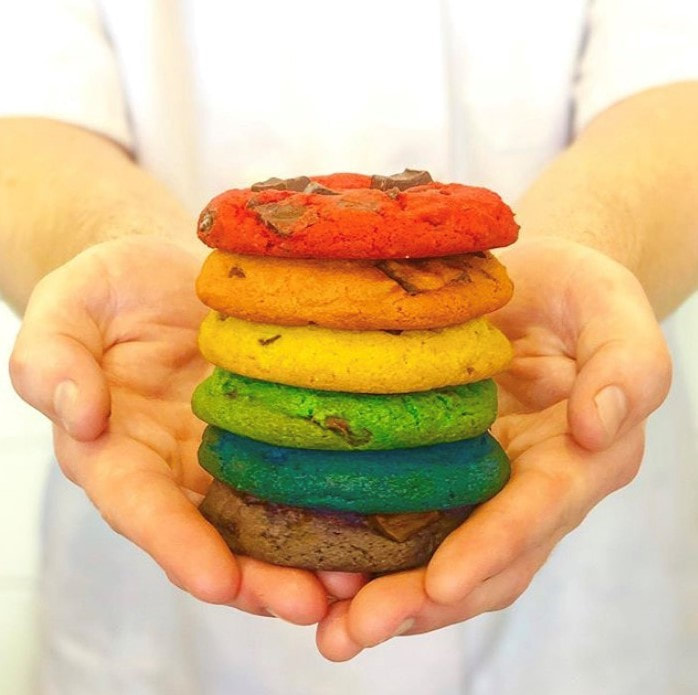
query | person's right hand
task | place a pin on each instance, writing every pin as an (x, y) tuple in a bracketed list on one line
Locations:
[(108, 352)]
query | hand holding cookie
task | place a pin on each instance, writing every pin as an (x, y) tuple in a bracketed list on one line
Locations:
[(579, 323), (108, 352)]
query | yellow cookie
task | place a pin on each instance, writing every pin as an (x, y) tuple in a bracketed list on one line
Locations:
[(359, 362), (364, 295)]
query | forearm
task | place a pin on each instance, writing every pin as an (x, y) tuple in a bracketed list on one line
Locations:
[(627, 186), (63, 189)]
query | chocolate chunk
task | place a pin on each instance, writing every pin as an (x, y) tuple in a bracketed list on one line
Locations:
[(489, 276), (237, 272), (317, 539), (392, 270), (298, 184), (272, 184), (341, 427), (280, 218), (363, 205), (401, 527), (315, 187), (458, 263), (206, 220), (268, 341), (407, 179)]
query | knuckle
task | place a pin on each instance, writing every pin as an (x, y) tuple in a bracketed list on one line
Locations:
[(68, 471), (566, 489), (19, 366), (664, 369), (653, 370), (632, 463), (112, 519), (517, 586)]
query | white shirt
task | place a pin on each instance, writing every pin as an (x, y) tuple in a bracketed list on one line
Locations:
[(210, 95)]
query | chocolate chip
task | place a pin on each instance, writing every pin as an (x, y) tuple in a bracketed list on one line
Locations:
[(206, 220), (268, 341), (298, 184), (407, 179), (319, 189), (272, 184), (341, 427), (392, 270), (278, 217), (401, 527), (236, 272), (362, 205), (459, 263)]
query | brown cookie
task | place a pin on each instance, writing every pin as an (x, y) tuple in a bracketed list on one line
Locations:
[(322, 540)]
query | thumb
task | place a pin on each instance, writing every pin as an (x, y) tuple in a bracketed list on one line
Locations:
[(55, 363), (624, 368)]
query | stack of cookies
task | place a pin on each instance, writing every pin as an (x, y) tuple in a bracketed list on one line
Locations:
[(351, 397)]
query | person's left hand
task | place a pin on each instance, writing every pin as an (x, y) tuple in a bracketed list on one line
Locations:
[(108, 351), (590, 365)]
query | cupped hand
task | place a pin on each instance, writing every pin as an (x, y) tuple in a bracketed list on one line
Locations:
[(107, 350), (590, 365)]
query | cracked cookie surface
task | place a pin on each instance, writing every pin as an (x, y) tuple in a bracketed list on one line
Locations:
[(338, 541), (354, 294), (427, 478), (305, 418), (355, 361), (356, 216)]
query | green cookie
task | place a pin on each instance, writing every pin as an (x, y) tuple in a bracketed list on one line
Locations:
[(442, 476), (310, 419)]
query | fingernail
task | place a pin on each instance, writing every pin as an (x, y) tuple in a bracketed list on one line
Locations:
[(65, 398), (612, 407), (403, 627)]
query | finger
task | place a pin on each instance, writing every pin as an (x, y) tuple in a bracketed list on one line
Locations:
[(55, 362), (534, 508), (625, 368), (332, 638), (293, 595), (342, 585), (553, 486), (398, 605), (136, 494), (520, 432), (385, 608), (493, 594)]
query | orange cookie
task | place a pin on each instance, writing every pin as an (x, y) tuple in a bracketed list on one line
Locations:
[(354, 295)]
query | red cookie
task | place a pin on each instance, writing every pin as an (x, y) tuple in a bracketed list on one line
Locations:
[(357, 216)]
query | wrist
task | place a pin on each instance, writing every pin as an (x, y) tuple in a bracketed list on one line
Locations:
[(570, 202)]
